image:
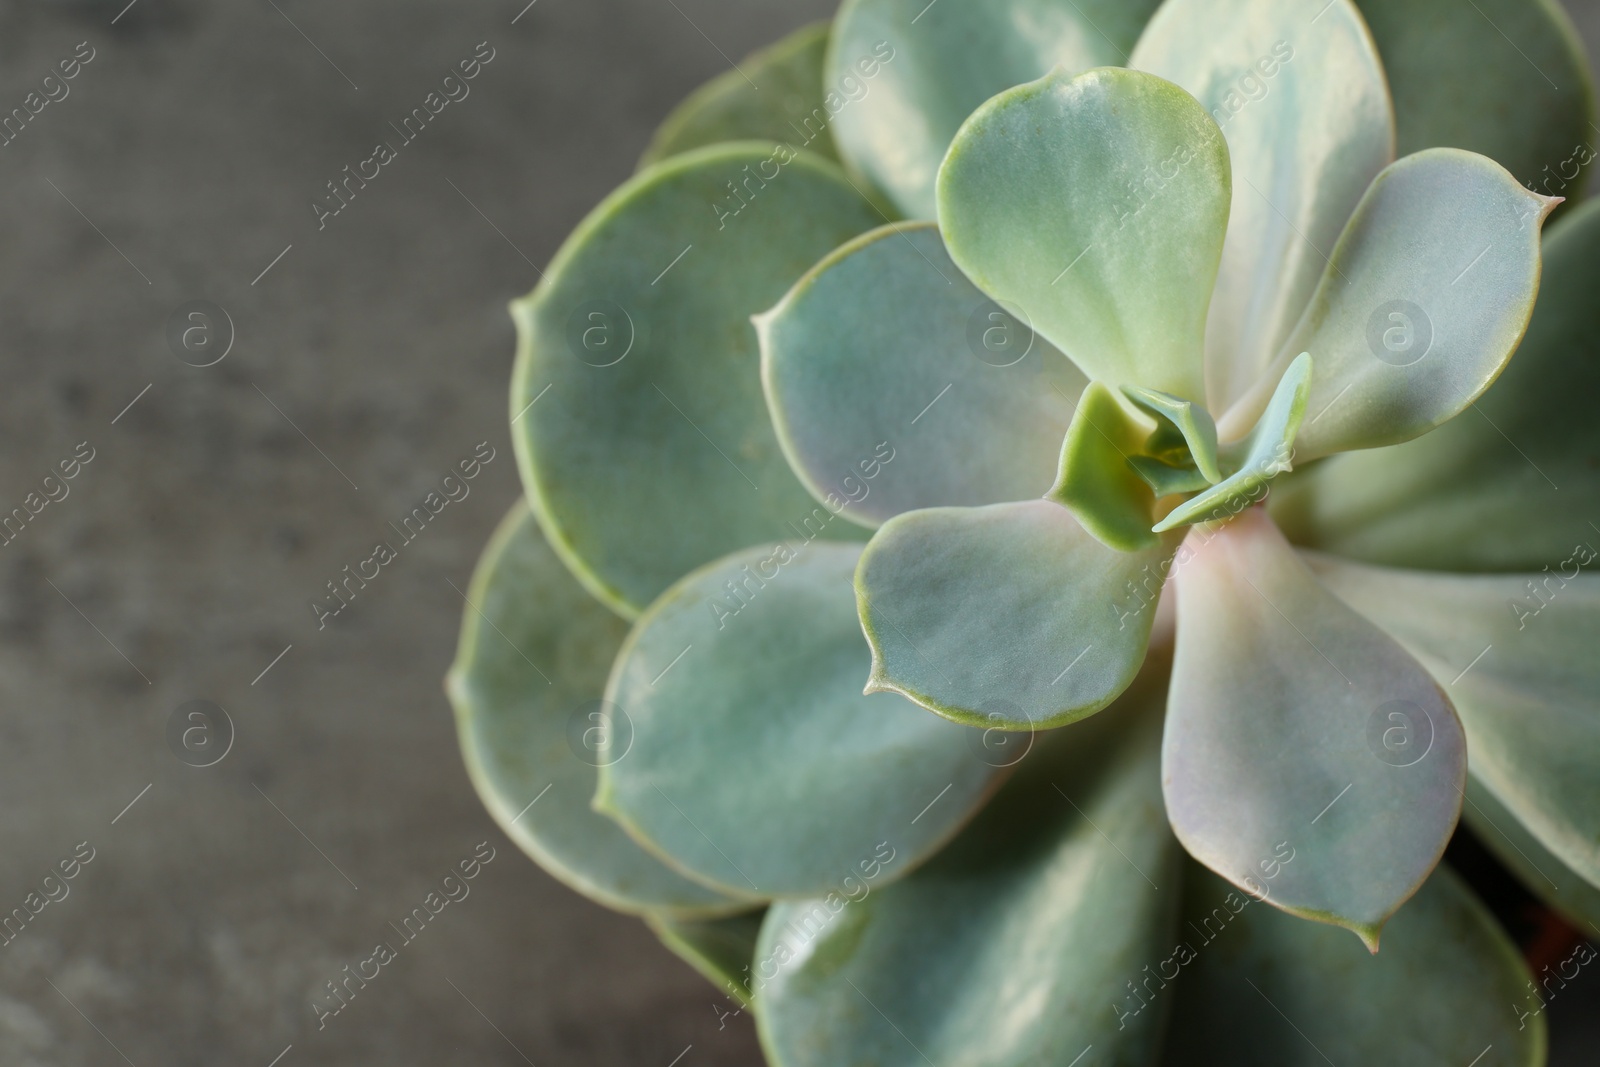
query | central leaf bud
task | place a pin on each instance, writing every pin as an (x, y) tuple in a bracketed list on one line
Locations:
[(1115, 466)]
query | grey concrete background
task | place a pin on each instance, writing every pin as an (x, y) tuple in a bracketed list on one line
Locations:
[(182, 162)]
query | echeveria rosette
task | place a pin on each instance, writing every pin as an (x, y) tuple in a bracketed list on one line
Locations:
[(1111, 212), (646, 455)]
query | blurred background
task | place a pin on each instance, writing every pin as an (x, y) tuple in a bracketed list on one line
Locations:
[(367, 357)]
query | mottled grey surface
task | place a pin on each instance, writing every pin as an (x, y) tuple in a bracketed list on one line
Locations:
[(195, 141), (182, 561)]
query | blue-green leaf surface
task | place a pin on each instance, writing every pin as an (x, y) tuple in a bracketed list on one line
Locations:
[(1423, 301), (895, 384), (1258, 459), (1539, 870), (1517, 654), (636, 404), (1257, 988), (526, 686), (1298, 91), (1009, 947), (1506, 486), (720, 949), (1010, 615), (909, 72), (757, 763), (1506, 78), (1165, 479), (1098, 206), (770, 95), (1294, 719)]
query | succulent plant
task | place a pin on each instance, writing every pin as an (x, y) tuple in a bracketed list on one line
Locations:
[(1089, 382)]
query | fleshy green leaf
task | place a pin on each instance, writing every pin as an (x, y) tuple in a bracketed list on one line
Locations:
[(720, 949), (1108, 492), (652, 452), (1008, 616), (1517, 654), (1097, 205), (526, 687), (774, 94), (1293, 719), (1259, 458), (1006, 949), (894, 384), (1256, 988), (1424, 299), (1299, 93), (1164, 479), (1545, 875), (757, 763), (910, 72), (1182, 424), (1480, 493), (1506, 78)]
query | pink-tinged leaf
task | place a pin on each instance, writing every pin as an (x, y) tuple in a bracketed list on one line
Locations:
[(1296, 727)]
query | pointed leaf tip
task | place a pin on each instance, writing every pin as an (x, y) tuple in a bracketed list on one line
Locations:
[(516, 726), (940, 62), (1040, 205), (1181, 423), (654, 360), (1002, 949), (1422, 303), (1531, 700), (1096, 482), (766, 707), (1077, 614), (1264, 454), (894, 384), (1303, 742), (1447, 987)]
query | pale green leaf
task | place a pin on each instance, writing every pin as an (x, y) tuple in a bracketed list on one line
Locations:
[(1110, 493), (526, 685), (894, 384), (1540, 871), (1009, 947), (1423, 301), (1258, 459), (757, 763), (1299, 93), (1009, 616), (721, 950), (909, 72), (1509, 485), (1517, 654), (1182, 425), (1295, 722), (636, 402), (1506, 78), (1164, 479), (1098, 206), (775, 94), (1258, 988)]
